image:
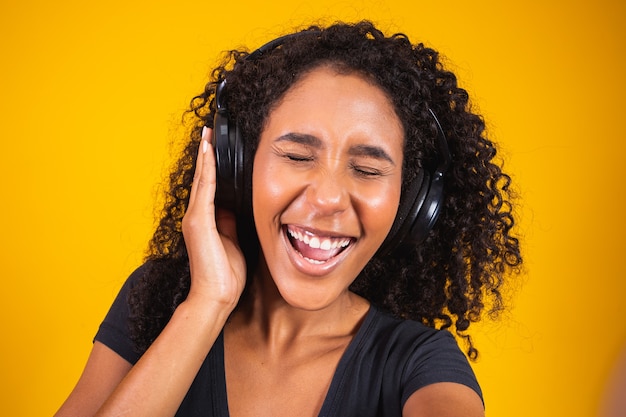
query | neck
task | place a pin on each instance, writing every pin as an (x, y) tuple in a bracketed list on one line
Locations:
[(265, 313)]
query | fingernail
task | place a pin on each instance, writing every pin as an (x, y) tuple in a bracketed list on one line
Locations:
[(205, 139), (205, 133)]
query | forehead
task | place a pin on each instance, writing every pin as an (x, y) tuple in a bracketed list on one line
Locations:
[(342, 102), (328, 78)]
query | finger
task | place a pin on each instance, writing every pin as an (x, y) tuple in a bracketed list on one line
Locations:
[(197, 172), (204, 182)]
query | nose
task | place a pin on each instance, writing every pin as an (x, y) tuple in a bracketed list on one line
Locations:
[(328, 194)]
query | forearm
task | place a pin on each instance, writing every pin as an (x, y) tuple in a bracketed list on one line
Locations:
[(159, 381)]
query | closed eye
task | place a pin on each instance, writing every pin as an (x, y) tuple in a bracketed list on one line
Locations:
[(297, 157), (366, 171)]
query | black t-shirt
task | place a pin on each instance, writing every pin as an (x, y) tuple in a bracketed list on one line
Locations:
[(387, 361)]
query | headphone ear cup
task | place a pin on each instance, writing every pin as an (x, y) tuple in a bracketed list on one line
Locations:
[(224, 143), (428, 212), (417, 214), (242, 184), (410, 204)]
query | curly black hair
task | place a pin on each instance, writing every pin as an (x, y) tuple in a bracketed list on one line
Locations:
[(449, 280)]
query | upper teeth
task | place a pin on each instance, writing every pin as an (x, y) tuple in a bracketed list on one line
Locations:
[(317, 243)]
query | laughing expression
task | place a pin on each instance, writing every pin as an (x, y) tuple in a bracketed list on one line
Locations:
[(326, 184)]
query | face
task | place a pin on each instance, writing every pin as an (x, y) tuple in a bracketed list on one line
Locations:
[(326, 185)]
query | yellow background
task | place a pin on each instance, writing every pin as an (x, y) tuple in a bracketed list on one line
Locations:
[(90, 96)]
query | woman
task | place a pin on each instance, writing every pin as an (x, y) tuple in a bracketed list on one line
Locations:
[(317, 283)]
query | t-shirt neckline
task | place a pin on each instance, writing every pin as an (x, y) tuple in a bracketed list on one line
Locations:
[(334, 393)]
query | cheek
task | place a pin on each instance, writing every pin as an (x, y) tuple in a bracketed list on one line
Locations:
[(269, 182), (378, 208), (272, 189)]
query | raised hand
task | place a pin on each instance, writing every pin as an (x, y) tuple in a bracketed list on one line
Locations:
[(157, 384), (217, 265)]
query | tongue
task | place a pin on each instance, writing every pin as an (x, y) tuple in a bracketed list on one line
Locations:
[(315, 254)]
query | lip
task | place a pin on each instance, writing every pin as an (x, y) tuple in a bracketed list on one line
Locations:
[(314, 269)]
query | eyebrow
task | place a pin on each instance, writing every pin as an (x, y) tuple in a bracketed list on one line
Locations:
[(302, 139), (369, 151)]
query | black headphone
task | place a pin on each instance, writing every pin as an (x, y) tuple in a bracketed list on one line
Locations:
[(420, 204)]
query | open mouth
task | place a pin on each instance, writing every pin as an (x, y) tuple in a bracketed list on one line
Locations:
[(314, 248)]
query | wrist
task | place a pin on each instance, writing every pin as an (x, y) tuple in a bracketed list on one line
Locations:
[(204, 310), (214, 297)]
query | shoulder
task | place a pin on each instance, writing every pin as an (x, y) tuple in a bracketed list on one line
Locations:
[(393, 333), (114, 331), (417, 355)]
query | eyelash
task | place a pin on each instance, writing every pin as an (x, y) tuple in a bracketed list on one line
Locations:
[(298, 158), (365, 172)]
